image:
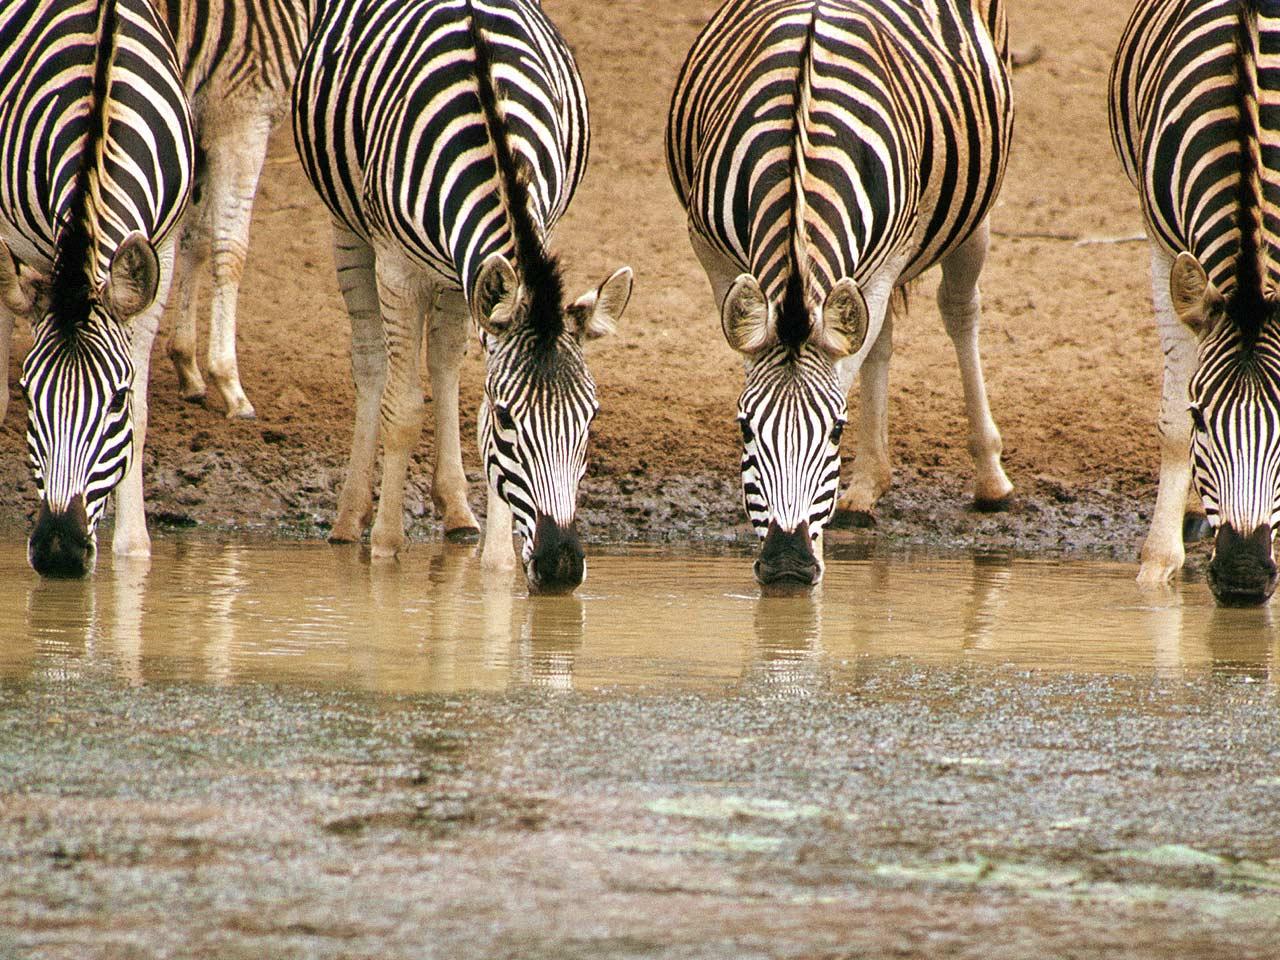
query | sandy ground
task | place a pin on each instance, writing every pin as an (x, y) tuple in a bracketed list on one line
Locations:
[(1070, 350)]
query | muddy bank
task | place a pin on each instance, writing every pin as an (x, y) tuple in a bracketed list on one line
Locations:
[(877, 809)]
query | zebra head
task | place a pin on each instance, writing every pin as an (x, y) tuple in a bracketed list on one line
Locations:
[(1234, 405), (539, 401), (77, 381), (792, 412)]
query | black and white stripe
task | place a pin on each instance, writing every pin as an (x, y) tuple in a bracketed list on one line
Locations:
[(95, 171), (239, 59), (826, 153), (1195, 118), (447, 137)]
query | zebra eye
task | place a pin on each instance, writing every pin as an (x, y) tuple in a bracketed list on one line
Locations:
[(505, 420), (1197, 418), (837, 432), (119, 400), (747, 433)]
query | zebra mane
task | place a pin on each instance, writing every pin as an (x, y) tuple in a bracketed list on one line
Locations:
[(539, 271), (794, 322), (71, 284), (1247, 304)]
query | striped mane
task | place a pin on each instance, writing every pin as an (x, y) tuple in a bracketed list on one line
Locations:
[(538, 270), (71, 284), (794, 321), (1247, 305)]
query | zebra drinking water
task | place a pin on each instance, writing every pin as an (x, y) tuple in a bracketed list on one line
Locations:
[(827, 152), (95, 169), (1195, 114), (447, 138)]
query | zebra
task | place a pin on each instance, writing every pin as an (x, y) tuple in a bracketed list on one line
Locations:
[(96, 157), (827, 152), (1195, 117), (239, 59), (447, 138)]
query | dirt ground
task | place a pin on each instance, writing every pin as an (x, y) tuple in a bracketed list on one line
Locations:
[(1070, 351)]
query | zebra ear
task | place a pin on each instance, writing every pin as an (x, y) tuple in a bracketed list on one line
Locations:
[(596, 314), (744, 315), (1196, 301), (134, 277), (496, 296), (844, 320)]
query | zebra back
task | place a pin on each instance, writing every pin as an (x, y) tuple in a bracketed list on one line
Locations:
[(231, 50), (433, 186), (1197, 132), (137, 177), (841, 114)]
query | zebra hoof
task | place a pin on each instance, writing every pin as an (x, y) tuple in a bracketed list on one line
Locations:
[(192, 396), (245, 412), (463, 535), (1195, 527), (1002, 505), (844, 519), (337, 539)]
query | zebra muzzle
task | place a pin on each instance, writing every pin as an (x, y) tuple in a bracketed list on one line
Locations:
[(787, 557), (1242, 572), (558, 563), (61, 544)]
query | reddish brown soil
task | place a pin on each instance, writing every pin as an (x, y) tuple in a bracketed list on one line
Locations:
[(1070, 350)]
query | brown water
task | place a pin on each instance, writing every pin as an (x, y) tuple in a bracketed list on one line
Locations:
[(322, 616)]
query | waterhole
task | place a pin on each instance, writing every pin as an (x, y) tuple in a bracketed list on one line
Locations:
[(436, 622)]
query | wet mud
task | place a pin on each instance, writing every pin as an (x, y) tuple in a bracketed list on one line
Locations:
[(876, 809)]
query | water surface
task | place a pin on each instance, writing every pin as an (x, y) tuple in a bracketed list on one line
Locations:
[(326, 616)]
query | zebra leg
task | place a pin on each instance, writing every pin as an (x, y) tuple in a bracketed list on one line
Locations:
[(448, 329), (871, 473), (235, 163), (1163, 552), (130, 537), (192, 257), (499, 549), (960, 303), (356, 277), (401, 296), (6, 338)]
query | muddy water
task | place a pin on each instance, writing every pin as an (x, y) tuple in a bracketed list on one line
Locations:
[(234, 752), (437, 623)]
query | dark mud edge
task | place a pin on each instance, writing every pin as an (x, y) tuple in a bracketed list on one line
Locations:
[(216, 494)]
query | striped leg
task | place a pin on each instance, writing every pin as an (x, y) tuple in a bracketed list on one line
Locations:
[(401, 295), (448, 329), (235, 163), (130, 537), (355, 261), (1163, 552), (960, 304), (192, 262)]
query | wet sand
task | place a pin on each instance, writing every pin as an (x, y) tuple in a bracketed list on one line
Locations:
[(898, 811), (195, 766)]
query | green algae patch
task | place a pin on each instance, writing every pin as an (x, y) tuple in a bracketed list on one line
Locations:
[(730, 807), (1260, 875), (1015, 876), (703, 843)]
